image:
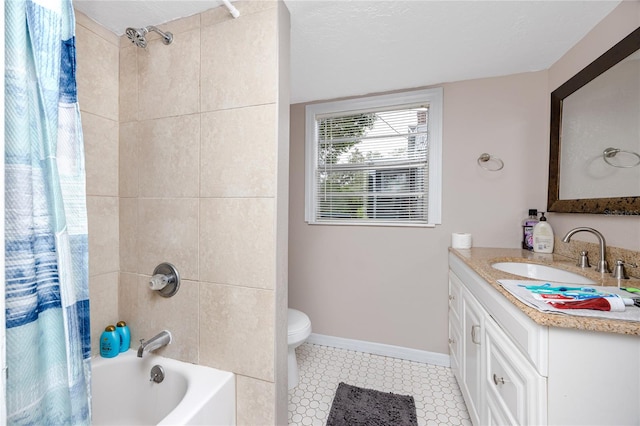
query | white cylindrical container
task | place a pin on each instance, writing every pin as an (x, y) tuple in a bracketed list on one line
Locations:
[(461, 240)]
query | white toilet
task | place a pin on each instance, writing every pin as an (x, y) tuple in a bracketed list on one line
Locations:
[(298, 330)]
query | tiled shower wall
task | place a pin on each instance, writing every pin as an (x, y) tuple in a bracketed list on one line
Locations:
[(97, 76), (184, 165)]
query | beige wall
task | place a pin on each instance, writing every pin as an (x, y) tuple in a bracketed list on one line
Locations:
[(194, 175), (619, 231), (389, 285)]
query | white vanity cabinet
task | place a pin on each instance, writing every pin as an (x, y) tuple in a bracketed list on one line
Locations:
[(465, 327), (513, 371), (455, 313)]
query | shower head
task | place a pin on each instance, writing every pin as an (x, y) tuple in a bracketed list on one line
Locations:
[(137, 35)]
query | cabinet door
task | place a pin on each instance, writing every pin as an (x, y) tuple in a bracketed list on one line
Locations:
[(455, 296), (472, 330), (496, 415), (455, 347), (515, 392), (455, 327)]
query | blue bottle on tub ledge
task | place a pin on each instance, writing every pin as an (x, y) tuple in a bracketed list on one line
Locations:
[(124, 334), (109, 342)]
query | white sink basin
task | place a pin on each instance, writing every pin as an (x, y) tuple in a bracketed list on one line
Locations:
[(541, 272)]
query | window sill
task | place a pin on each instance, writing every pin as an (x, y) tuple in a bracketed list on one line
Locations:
[(376, 224)]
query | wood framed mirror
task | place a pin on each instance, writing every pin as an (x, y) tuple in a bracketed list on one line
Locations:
[(597, 110)]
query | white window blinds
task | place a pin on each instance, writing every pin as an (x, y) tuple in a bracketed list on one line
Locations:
[(371, 166)]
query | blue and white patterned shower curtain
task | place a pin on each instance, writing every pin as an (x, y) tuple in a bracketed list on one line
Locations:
[(46, 254)]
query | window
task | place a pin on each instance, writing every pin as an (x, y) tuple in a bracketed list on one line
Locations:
[(375, 160)]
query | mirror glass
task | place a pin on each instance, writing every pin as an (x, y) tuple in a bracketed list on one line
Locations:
[(595, 136)]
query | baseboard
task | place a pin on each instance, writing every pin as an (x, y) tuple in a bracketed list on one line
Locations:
[(391, 351)]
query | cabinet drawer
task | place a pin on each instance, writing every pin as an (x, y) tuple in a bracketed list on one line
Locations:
[(516, 390), (455, 295)]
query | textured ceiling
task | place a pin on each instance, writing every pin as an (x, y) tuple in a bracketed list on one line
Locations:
[(117, 15), (353, 47)]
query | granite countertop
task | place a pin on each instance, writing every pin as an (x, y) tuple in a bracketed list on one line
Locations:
[(480, 259)]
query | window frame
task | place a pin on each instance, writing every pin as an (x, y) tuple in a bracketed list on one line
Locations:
[(433, 96)]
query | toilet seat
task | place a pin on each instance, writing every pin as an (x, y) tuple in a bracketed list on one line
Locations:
[(299, 325)]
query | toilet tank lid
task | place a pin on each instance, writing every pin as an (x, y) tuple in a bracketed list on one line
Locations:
[(298, 321)]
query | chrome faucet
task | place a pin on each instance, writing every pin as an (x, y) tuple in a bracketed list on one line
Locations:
[(159, 340), (602, 263)]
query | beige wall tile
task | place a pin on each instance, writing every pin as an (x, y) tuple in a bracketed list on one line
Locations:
[(125, 42), (221, 14), (178, 314), (229, 79), (238, 152), (168, 232), (217, 15), (102, 215), (129, 154), (97, 75), (94, 27), (282, 217), (169, 156), (129, 235), (168, 80), (281, 350), (176, 27), (101, 154), (103, 293), (128, 88), (128, 305), (236, 329), (237, 241), (179, 25), (254, 402)]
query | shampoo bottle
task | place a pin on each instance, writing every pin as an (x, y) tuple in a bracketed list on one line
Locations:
[(543, 236), (124, 334), (527, 229), (109, 342)]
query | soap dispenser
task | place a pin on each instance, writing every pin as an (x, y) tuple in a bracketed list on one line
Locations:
[(543, 236)]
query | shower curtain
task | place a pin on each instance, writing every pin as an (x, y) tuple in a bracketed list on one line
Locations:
[(46, 255)]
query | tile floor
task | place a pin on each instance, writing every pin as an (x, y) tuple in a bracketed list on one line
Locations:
[(321, 368)]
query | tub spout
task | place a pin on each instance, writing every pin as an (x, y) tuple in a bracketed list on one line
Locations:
[(159, 340)]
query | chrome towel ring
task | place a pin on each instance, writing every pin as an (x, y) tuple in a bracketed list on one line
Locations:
[(489, 162), (612, 152)]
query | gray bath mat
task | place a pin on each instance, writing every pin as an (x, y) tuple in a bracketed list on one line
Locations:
[(354, 406)]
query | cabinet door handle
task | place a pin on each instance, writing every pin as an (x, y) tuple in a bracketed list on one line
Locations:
[(452, 297), (474, 334), (498, 380), (452, 341)]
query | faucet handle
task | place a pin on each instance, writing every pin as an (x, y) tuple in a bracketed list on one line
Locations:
[(619, 272), (583, 262)]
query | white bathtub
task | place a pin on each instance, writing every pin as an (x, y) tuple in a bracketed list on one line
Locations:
[(122, 393)]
